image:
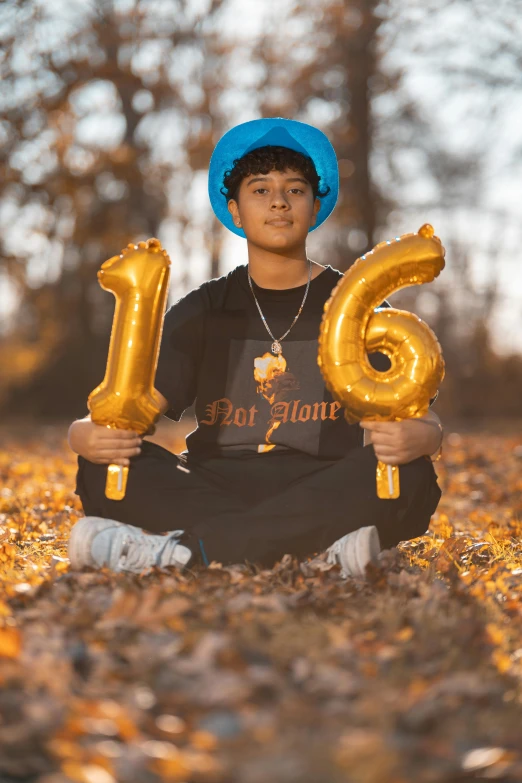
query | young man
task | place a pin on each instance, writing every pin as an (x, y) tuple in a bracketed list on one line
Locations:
[(272, 467)]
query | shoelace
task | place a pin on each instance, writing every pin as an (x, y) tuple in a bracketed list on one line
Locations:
[(334, 550), (147, 551)]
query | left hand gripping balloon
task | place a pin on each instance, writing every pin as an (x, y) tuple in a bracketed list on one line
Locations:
[(352, 327), (126, 398)]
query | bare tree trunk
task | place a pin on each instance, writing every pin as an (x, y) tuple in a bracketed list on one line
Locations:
[(340, 74), (215, 250), (361, 67)]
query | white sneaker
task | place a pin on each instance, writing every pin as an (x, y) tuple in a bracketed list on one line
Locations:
[(98, 542), (355, 550)]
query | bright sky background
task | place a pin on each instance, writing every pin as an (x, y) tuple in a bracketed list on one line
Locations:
[(493, 225)]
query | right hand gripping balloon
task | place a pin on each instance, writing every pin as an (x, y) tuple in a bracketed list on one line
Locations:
[(126, 398), (352, 328)]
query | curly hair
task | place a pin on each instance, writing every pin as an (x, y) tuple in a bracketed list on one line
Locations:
[(266, 159)]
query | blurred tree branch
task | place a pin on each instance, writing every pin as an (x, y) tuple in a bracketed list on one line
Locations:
[(67, 189)]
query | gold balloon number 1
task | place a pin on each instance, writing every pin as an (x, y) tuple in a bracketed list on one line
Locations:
[(126, 398), (353, 326)]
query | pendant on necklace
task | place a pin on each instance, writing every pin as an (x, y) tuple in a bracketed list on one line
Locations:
[(276, 347)]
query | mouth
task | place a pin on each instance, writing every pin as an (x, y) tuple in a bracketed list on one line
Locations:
[(279, 222)]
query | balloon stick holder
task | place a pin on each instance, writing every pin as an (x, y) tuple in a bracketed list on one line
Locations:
[(116, 484), (388, 484)]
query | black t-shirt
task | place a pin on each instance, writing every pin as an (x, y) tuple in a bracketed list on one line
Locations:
[(216, 352)]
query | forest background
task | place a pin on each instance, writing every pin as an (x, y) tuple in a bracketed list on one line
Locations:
[(110, 109)]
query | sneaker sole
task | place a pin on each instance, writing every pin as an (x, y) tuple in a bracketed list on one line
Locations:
[(366, 550), (369, 546), (81, 538)]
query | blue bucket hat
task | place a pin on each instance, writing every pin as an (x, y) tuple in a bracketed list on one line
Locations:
[(276, 132)]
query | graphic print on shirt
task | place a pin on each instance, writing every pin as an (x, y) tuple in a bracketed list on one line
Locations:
[(271, 401), (276, 385)]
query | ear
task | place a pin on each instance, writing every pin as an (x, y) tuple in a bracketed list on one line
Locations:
[(234, 211), (317, 207)]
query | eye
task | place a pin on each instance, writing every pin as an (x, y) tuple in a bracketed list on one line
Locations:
[(296, 190), (261, 190)]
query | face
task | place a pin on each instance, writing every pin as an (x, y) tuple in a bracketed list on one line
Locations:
[(275, 210)]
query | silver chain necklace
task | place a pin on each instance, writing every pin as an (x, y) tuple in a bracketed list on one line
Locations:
[(276, 345)]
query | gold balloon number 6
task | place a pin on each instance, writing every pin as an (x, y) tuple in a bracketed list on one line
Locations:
[(353, 326), (126, 398)]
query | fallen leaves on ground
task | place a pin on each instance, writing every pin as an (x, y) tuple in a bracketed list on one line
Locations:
[(232, 675)]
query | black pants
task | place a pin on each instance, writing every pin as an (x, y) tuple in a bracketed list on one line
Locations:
[(258, 509)]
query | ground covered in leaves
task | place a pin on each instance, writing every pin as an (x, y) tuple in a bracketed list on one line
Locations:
[(294, 675)]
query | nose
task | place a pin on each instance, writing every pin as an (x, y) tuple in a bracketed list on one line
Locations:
[(279, 200)]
